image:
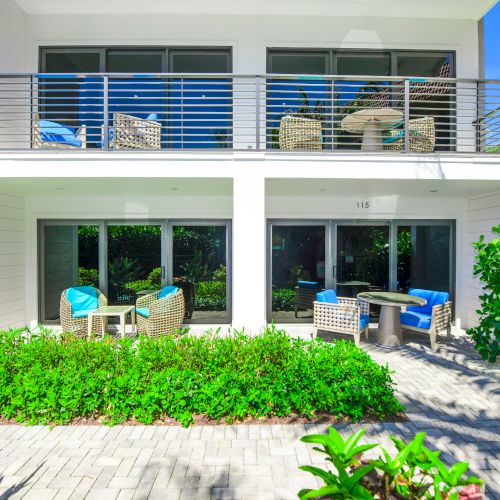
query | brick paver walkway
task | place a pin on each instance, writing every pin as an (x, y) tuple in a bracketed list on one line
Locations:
[(449, 394)]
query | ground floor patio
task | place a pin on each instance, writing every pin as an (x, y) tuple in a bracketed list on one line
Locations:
[(449, 393)]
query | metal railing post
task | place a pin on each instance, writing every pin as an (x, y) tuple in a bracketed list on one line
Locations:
[(407, 115), (105, 128), (257, 113)]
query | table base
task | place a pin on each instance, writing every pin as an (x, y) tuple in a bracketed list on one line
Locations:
[(389, 332)]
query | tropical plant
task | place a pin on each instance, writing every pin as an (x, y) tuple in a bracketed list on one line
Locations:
[(59, 378), (414, 473), (283, 299), (88, 277), (487, 268), (122, 271)]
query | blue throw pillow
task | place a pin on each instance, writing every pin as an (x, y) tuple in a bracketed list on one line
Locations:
[(167, 290), (82, 298), (328, 296), (55, 132)]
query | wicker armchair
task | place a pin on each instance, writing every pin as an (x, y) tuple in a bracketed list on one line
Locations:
[(433, 318), (51, 128), (297, 133), (348, 316), (130, 132), (160, 316), (422, 136), (79, 325)]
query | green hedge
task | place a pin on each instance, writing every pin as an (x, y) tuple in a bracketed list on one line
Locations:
[(283, 299), (49, 380)]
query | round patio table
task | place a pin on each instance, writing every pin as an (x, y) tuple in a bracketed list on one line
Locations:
[(389, 332), (370, 122)]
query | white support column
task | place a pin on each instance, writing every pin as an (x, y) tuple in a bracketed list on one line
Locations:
[(249, 251)]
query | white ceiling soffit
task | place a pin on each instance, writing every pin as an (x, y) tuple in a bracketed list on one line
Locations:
[(445, 9)]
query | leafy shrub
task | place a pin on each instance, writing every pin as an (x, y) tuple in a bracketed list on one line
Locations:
[(283, 299), (153, 282), (414, 473), (210, 296), (487, 267), (88, 277), (59, 379)]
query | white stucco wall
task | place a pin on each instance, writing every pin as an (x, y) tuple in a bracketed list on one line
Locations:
[(483, 213), (12, 261), (250, 35)]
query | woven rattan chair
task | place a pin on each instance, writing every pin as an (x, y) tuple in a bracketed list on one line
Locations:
[(422, 136), (305, 295), (433, 318), (298, 133), (160, 315), (341, 315), (38, 141), (130, 132), (79, 325)]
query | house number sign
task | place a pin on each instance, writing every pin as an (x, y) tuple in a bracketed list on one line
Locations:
[(363, 204)]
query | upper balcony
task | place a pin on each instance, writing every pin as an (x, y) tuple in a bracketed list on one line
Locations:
[(315, 114)]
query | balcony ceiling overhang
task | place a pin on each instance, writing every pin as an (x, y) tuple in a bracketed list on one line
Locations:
[(443, 9)]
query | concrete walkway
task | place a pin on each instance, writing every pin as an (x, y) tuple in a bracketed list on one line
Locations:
[(449, 394)]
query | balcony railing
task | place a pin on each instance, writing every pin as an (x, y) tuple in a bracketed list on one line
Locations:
[(305, 113)]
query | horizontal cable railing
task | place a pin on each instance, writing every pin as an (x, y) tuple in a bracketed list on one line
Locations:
[(308, 113)]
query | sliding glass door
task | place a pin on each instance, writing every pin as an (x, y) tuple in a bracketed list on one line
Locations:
[(354, 256), (129, 259), (199, 265)]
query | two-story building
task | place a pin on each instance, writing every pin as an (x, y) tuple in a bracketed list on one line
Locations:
[(237, 148)]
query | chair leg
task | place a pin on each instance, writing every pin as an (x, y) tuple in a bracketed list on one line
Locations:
[(448, 332), (314, 333), (357, 338), (366, 333), (433, 337)]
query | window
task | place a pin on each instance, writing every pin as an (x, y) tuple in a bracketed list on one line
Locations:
[(126, 259)]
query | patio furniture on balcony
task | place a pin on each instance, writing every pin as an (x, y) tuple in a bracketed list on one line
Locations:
[(161, 312), (305, 293), (75, 306), (340, 315), (130, 132), (422, 136), (298, 133), (53, 135), (432, 318), (370, 122)]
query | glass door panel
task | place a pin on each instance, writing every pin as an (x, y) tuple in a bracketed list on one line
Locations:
[(200, 267), (298, 270), (134, 261), (306, 96), (75, 100), (201, 108), (70, 258), (354, 95), (424, 257), (362, 260)]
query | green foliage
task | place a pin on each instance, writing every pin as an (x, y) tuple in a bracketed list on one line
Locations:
[(153, 282), (487, 267), (210, 296), (283, 299), (88, 277), (414, 473), (121, 271), (56, 380)]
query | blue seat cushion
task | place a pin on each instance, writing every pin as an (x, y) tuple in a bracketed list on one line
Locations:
[(308, 284), (416, 319), (167, 290), (56, 132), (364, 320), (433, 299), (81, 314), (143, 311), (82, 299), (328, 296)]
